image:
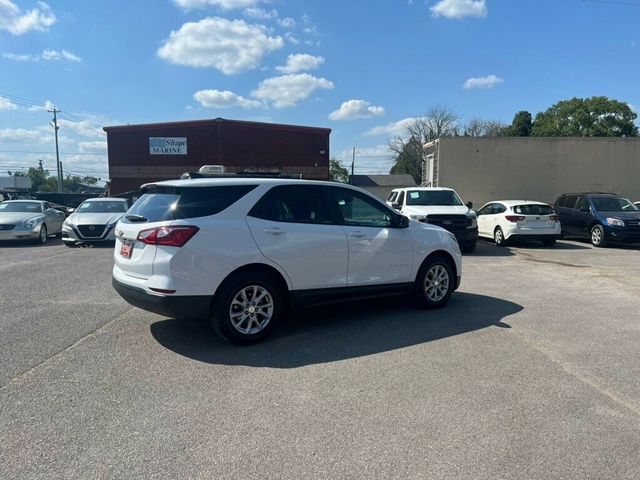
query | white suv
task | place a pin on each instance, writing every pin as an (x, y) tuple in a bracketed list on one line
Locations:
[(240, 251), (438, 206)]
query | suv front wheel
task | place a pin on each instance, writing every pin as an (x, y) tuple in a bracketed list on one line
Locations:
[(435, 283), (598, 238), (247, 309)]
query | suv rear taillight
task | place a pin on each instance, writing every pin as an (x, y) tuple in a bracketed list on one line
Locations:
[(555, 218), (515, 218), (171, 236)]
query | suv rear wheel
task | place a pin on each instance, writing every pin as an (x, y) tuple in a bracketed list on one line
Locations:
[(247, 309), (435, 283), (598, 238)]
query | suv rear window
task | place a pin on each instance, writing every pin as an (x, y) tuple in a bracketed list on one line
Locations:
[(173, 203), (533, 210)]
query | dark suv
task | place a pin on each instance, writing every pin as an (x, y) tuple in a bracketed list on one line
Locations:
[(601, 217)]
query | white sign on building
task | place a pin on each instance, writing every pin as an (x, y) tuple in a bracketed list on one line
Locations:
[(167, 145)]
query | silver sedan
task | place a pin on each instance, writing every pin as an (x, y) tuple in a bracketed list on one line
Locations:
[(93, 221), (29, 220)]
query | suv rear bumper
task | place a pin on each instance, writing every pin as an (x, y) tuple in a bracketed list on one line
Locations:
[(181, 306)]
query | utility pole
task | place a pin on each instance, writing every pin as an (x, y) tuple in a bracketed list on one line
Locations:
[(353, 164), (55, 112)]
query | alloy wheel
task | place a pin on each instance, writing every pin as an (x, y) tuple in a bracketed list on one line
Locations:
[(436, 283), (251, 309)]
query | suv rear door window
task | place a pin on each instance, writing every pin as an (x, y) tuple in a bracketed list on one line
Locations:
[(293, 204), (570, 201), (172, 203), (583, 204)]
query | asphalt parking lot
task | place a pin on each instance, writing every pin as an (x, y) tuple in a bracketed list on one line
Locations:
[(531, 371)]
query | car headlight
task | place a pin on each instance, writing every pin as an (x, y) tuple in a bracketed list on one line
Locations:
[(616, 222), (417, 217), (472, 222), (31, 223)]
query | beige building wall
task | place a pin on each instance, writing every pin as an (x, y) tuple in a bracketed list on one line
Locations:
[(486, 169)]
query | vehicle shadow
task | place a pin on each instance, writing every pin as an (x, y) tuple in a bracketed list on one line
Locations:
[(560, 245), (333, 333), (51, 241), (486, 248)]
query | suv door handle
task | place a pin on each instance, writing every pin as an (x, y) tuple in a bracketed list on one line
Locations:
[(357, 234), (274, 231)]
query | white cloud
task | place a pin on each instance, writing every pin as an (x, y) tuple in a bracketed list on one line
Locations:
[(287, 22), (47, 55), (398, 128), (231, 46), (83, 128), (20, 57), (260, 13), (48, 105), (299, 62), (287, 90), (459, 9), (99, 146), (291, 38), (15, 22), (489, 81), (224, 99), (6, 104), (352, 109), (223, 4), (25, 136)]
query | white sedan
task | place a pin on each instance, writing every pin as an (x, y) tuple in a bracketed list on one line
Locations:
[(519, 219)]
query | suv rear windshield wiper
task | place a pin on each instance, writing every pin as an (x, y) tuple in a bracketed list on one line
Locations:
[(136, 218)]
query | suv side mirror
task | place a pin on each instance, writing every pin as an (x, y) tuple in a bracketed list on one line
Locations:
[(585, 209), (470, 205), (400, 221), (396, 205)]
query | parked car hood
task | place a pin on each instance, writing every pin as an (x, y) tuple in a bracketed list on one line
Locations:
[(107, 218), (435, 210), (17, 217)]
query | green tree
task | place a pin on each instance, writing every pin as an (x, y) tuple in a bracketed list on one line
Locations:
[(586, 117), (408, 157), (521, 125), (337, 172), (477, 127), (38, 176)]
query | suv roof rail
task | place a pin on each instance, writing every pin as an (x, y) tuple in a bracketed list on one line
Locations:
[(191, 175), (589, 193)]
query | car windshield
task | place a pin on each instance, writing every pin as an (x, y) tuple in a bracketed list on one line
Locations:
[(533, 209), (613, 204), (102, 206), (32, 207), (433, 197)]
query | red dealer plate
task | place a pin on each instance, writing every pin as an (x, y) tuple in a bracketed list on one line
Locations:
[(126, 248)]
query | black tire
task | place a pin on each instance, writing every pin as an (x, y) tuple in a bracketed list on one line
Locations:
[(468, 247), (221, 311), (597, 236), (426, 277), (498, 237), (549, 242), (44, 234)]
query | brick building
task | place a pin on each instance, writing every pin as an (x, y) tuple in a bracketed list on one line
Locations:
[(160, 151)]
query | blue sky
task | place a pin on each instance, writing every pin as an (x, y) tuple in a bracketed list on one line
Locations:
[(360, 67)]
